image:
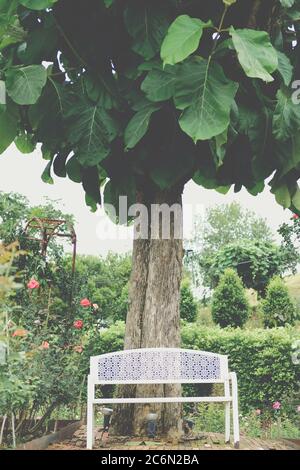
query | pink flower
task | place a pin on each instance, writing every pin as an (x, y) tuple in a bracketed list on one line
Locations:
[(295, 217), (33, 284), (78, 324), (45, 345), (78, 348), (258, 412), (276, 405), (95, 307), (298, 409), (20, 333), (85, 303)]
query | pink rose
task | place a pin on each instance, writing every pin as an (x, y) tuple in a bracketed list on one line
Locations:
[(258, 412), (45, 345), (78, 324), (33, 284), (78, 349), (276, 405), (295, 216), (85, 303)]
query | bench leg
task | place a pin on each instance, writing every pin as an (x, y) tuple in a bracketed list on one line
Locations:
[(227, 412), (227, 423), (235, 411), (90, 415)]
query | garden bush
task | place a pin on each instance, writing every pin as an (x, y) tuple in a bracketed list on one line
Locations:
[(230, 306), (261, 358), (278, 307), (188, 305)]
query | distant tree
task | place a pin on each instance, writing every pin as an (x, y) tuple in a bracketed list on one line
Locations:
[(230, 306), (278, 307), (220, 226), (228, 223)]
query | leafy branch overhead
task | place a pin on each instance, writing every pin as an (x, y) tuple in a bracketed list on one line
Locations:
[(154, 92)]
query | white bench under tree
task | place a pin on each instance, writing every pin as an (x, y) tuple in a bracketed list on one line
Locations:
[(161, 366)]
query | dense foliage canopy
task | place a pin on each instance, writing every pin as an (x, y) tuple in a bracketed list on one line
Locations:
[(255, 262), (155, 92)]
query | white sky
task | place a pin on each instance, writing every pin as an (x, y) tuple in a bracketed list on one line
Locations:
[(22, 173)]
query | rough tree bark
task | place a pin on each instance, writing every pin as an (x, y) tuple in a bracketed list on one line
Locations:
[(153, 318)]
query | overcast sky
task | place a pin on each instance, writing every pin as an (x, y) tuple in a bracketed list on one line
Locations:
[(21, 173)]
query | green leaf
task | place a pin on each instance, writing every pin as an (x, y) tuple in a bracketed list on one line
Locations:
[(296, 199), (59, 164), (8, 130), (91, 203), (11, 32), (108, 3), (37, 4), (287, 154), (138, 125), (286, 117), (73, 169), (282, 196), (24, 143), (147, 25), (91, 129), (287, 3), (46, 175), (255, 52), (159, 85), (182, 39), (98, 93), (25, 84), (218, 147), (2, 92), (206, 96), (285, 68), (91, 184), (112, 192), (174, 161)]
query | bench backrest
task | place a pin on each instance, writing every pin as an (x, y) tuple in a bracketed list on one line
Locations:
[(159, 365)]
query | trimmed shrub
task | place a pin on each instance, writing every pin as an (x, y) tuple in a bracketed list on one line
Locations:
[(230, 306), (188, 305), (278, 307)]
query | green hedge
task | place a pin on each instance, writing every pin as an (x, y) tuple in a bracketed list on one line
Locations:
[(261, 358)]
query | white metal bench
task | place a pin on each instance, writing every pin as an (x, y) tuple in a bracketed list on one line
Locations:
[(161, 366)]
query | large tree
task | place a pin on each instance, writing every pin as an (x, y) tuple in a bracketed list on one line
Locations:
[(150, 95)]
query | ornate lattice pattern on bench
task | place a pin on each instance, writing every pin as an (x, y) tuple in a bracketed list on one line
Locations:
[(157, 365)]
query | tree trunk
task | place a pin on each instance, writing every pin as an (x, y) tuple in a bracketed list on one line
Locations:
[(153, 318)]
